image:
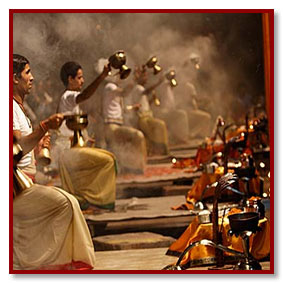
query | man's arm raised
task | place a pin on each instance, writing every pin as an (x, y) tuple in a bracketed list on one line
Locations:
[(89, 91)]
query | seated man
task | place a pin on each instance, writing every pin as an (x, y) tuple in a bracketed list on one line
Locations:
[(126, 142), (175, 119), (154, 130), (49, 230), (200, 121), (86, 172)]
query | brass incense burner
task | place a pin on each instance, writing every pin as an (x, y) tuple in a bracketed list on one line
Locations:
[(152, 64), (170, 76), (156, 100), (118, 61), (77, 123)]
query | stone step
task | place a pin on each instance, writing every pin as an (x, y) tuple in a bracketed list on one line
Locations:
[(180, 153), (152, 214), (175, 190), (128, 241), (149, 259), (151, 189), (191, 144), (159, 159)]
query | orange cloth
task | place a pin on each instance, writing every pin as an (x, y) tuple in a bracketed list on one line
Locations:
[(204, 155), (196, 193), (259, 242)]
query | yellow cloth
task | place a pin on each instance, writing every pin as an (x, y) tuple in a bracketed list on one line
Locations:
[(49, 230), (199, 123), (197, 191), (89, 174), (177, 124), (259, 242), (128, 145), (155, 133)]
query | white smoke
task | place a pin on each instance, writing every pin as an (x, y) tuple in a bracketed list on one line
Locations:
[(48, 40)]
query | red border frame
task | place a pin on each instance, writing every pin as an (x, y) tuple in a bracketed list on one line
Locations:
[(271, 132)]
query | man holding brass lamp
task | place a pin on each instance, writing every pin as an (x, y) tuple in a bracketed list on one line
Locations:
[(154, 129), (86, 172), (49, 230), (127, 143), (22, 128), (175, 119)]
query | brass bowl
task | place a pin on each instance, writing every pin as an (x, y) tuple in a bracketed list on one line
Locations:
[(244, 221), (170, 75), (76, 122), (151, 62), (117, 60), (124, 72)]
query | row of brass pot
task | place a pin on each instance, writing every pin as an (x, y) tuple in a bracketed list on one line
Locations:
[(118, 61), (79, 122), (152, 63)]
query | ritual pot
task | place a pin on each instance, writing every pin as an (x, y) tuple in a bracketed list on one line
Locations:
[(244, 221), (152, 63), (171, 77), (118, 61), (44, 157), (76, 122)]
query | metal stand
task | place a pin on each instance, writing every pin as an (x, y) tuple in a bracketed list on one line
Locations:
[(248, 262), (78, 140)]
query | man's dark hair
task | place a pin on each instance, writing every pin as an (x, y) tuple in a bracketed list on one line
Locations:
[(19, 63), (69, 69)]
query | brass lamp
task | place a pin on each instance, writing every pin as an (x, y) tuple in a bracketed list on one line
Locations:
[(44, 157), (118, 61), (77, 123), (152, 64), (155, 98), (171, 77), (20, 180)]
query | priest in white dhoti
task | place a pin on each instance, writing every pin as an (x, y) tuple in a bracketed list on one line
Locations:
[(88, 173), (49, 230)]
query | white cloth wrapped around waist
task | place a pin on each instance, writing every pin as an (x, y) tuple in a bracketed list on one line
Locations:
[(49, 230)]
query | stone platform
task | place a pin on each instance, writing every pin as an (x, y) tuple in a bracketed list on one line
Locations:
[(129, 241)]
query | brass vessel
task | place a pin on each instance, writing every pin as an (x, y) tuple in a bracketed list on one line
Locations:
[(170, 76), (152, 64), (20, 180), (44, 158), (118, 61), (77, 123), (156, 100)]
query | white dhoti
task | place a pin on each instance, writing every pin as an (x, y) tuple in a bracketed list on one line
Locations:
[(177, 124), (199, 123), (129, 147), (155, 132), (49, 231), (89, 174)]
